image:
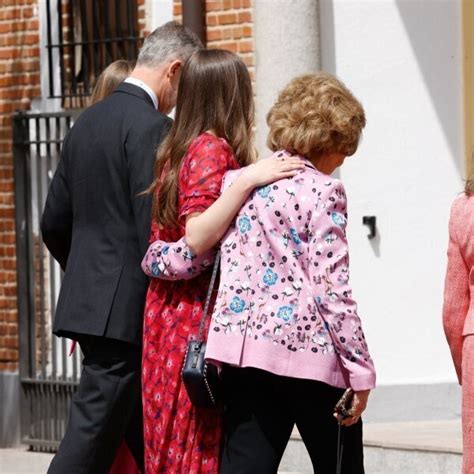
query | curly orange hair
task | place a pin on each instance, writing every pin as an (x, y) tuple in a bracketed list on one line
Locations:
[(315, 114)]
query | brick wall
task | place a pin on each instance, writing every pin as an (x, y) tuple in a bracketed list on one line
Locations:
[(229, 25), (19, 83)]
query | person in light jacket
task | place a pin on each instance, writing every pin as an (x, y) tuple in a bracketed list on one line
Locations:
[(458, 310), (285, 327)]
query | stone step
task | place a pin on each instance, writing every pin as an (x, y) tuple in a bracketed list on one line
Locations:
[(421, 447)]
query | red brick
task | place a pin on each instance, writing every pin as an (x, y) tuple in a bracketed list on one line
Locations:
[(7, 226), (248, 60), (226, 18), (214, 35), (6, 252), (7, 186), (6, 265), (211, 20), (10, 13), (245, 17), (6, 200), (5, 134), (10, 342), (227, 33), (12, 330), (12, 94), (10, 290), (8, 367), (177, 10), (24, 25), (247, 31), (8, 355), (237, 32), (229, 46), (27, 12), (9, 316), (7, 212), (19, 39), (25, 66), (227, 4), (213, 5), (245, 46), (5, 120)]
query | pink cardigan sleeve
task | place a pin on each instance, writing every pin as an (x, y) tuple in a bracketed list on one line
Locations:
[(456, 293), (175, 261), (329, 271)]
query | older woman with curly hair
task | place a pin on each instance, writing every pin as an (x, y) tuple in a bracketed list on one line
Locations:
[(285, 327)]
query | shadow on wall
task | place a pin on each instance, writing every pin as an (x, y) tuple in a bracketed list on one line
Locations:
[(435, 53), (436, 56)]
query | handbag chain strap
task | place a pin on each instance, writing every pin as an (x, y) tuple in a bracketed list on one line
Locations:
[(209, 297)]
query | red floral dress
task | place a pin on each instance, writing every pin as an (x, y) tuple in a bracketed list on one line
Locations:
[(180, 438)]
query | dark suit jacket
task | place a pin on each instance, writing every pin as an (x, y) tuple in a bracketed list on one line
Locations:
[(94, 223)]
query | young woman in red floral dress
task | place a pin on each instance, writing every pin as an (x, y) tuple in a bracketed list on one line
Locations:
[(212, 134)]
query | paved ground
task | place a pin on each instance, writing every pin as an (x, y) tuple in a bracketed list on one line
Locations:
[(20, 461), (437, 437)]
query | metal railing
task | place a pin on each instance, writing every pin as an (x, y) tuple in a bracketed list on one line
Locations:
[(48, 376), (84, 37)]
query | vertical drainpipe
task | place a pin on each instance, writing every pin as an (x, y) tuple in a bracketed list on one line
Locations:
[(193, 17)]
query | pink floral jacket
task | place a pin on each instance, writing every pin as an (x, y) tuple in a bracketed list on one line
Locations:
[(284, 302)]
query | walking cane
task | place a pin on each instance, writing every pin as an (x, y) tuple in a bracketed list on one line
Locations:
[(342, 408)]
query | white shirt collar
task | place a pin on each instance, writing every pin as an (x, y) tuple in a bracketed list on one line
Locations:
[(146, 88)]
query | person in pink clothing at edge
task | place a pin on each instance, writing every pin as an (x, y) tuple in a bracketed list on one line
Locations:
[(458, 310), (285, 327)]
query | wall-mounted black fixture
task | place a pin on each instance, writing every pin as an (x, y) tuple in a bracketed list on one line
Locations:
[(370, 221)]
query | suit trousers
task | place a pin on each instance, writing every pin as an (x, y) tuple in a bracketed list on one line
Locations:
[(105, 410), (468, 404), (261, 410)]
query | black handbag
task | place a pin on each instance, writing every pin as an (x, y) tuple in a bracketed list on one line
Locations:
[(200, 378)]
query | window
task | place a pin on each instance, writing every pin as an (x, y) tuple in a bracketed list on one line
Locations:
[(89, 34)]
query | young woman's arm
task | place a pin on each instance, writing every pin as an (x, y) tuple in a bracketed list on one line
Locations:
[(205, 229), (175, 260)]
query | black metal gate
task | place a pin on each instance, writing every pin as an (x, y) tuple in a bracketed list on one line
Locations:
[(48, 375)]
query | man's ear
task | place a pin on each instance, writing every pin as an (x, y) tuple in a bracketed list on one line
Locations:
[(174, 67)]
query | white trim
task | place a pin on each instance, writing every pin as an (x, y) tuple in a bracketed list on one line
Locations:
[(161, 11), (44, 104)]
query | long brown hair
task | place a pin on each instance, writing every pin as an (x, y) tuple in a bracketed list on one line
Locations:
[(110, 78), (214, 93)]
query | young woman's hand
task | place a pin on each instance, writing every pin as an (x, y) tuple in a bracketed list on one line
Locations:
[(358, 405), (271, 169)]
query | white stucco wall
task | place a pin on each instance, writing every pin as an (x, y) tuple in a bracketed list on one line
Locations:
[(402, 59), (158, 12)]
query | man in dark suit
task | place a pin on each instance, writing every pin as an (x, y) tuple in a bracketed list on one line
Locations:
[(97, 224)]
